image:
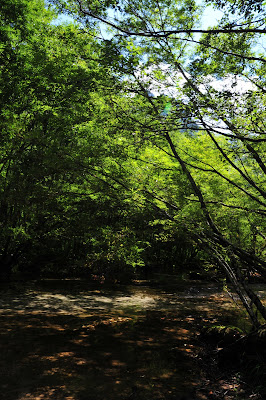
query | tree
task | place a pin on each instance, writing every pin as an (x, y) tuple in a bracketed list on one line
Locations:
[(54, 152), (156, 42), (134, 116)]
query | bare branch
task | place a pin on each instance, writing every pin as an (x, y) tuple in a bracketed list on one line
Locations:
[(166, 33)]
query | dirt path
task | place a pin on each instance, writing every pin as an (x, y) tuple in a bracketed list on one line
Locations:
[(78, 299), (135, 344)]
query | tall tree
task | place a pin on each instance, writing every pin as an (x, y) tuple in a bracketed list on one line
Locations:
[(55, 156), (212, 78)]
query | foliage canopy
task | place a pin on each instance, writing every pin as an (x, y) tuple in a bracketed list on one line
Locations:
[(133, 138)]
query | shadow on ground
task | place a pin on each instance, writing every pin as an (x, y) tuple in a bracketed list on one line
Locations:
[(98, 356), (108, 345)]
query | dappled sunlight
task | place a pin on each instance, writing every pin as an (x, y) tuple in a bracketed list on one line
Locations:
[(46, 393), (142, 343), (79, 301), (121, 355)]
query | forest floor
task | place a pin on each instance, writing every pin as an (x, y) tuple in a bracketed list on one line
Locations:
[(109, 353)]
